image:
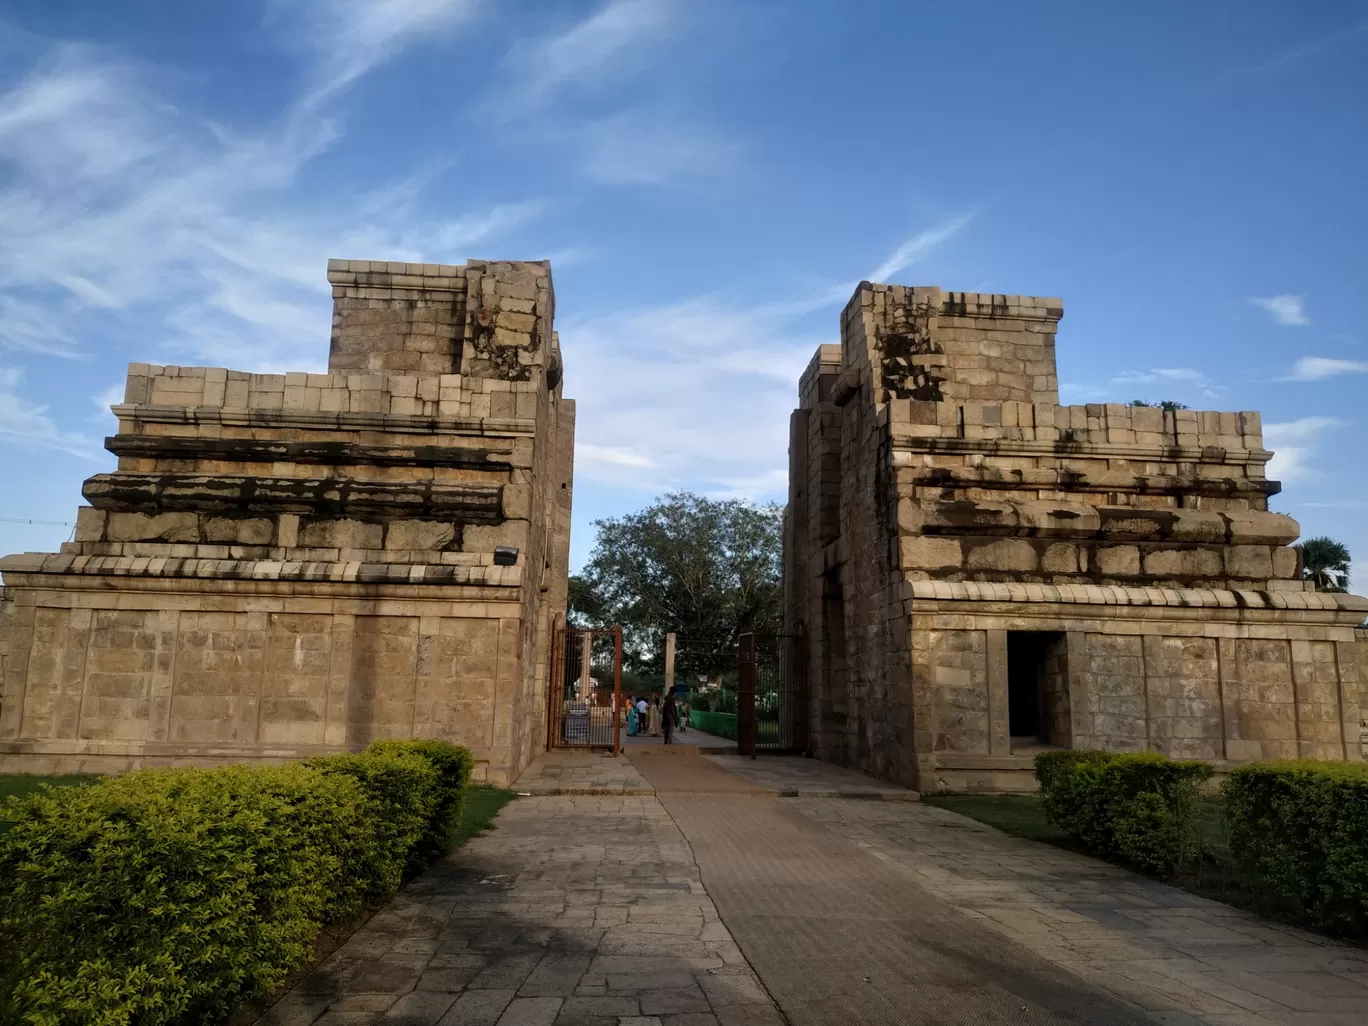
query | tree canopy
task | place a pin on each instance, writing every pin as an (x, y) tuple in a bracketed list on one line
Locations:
[(1168, 405), (1325, 562), (706, 569)]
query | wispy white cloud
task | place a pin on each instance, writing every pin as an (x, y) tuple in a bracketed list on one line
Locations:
[(105, 398), (1288, 310), (1293, 444), (114, 200), (1356, 32), (646, 147), (610, 43), (917, 248), (351, 37), (33, 327), (1318, 368), (694, 394), (1071, 392), (698, 394), (568, 90), (1185, 375), (28, 424)]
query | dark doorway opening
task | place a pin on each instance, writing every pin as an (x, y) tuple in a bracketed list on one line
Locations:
[(1037, 688)]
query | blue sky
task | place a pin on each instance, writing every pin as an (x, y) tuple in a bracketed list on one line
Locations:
[(710, 178)]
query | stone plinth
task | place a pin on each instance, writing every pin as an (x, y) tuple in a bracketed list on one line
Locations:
[(292, 564), (983, 573)]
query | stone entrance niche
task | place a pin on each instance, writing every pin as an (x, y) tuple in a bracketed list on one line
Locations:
[(981, 571), (1037, 689), (284, 565)]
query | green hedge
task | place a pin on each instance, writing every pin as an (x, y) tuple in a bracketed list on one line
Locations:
[(173, 896), (1137, 807), (1299, 835), (721, 724)]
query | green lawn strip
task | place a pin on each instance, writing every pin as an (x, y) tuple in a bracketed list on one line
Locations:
[(16, 785), (482, 804), (1018, 815)]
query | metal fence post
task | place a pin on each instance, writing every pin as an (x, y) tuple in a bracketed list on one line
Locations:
[(617, 689), (745, 695)]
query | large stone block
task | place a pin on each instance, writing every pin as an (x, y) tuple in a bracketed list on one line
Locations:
[(1180, 563), (1009, 554), (1249, 561), (1117, 560), (930, 553)]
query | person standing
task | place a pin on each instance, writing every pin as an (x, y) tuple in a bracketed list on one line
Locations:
[(633, 718), (668, 715), (655, 716)]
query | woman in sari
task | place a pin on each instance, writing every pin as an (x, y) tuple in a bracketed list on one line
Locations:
[(633, 720)]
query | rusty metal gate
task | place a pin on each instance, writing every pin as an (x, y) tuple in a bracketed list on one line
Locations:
[(771, 694), (584, 699)]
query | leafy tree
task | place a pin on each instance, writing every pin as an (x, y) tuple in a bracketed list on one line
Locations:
[(1167, 404), (704, 568), (1326, 563)]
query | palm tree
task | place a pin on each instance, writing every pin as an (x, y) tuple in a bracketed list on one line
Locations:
[(1326, 563)]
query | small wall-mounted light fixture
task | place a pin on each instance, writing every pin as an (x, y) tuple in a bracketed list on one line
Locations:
[(505, 555)]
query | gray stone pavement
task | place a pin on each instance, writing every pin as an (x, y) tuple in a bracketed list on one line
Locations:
[(693, 736), (575, 911), (566, 771), (1186, 959), (792, 776), (839, 936), (714, 902)]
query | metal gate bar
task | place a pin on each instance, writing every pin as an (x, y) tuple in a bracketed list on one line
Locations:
[(584, 710), (771, 694)]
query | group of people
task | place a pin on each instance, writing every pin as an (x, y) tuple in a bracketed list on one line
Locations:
[(654, 718)]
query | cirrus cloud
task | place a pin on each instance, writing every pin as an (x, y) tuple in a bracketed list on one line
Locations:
[(1284, 309)]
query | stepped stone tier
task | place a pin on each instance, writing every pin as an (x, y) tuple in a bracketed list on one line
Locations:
[(285, 565), (983, 573)]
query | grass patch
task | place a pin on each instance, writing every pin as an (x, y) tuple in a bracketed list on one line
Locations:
[(482, 804), (1018, 815), (16, 785)]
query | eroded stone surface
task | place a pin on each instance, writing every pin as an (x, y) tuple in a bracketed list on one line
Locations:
[(290, 564), (943, 506)]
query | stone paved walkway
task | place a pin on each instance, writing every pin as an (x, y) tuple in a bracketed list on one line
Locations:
[(693, 736), (839, 936), (588, 773), (1186, 959), (713, 902), (792, 776), (576, 911)]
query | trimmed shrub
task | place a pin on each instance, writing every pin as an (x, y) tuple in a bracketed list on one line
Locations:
[(1299, 835), (173, 896), (454, 765), (401, 791), (1137, 807), (162, 896)]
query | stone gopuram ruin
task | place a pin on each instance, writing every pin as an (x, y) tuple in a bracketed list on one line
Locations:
[(981, 572), (293, 564)]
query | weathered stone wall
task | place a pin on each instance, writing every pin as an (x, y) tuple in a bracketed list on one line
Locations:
[(283, 565), (940, 498)]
